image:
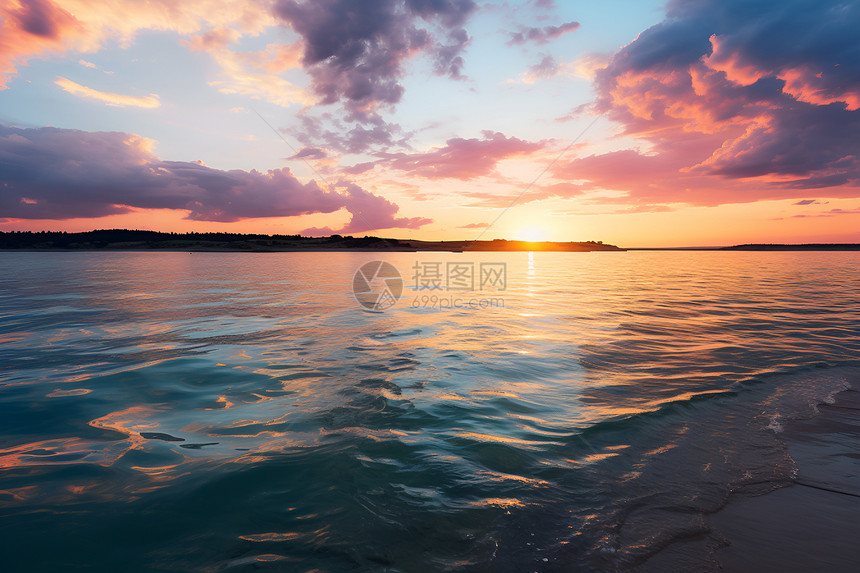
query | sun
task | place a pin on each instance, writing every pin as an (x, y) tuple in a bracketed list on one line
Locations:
[(531, 234)]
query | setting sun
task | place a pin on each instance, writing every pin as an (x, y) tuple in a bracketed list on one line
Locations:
[(531, 234)]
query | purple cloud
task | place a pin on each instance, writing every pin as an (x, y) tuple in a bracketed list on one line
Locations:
[(448, 60), (50, 173), (369, 212), (359, 168), (542, 35), (354, 50), (375, 134), (825, 214), (310, 153), (546, 68), (810, 202), (40, 18)]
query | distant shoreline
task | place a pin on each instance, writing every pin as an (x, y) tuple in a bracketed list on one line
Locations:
[(801, 247), (131, 241), (126, 240), (761, 247)]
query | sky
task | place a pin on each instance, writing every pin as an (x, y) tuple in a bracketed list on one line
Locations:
[(636, 123)]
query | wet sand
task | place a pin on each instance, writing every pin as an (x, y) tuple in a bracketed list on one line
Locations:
[(814, 525), (810, 526)]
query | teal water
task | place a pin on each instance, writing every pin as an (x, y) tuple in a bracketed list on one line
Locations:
[(239, 411)]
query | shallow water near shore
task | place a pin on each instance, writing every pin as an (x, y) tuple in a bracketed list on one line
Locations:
[(237, 411)]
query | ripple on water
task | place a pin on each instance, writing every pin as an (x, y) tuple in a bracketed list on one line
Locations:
[(222, 413)]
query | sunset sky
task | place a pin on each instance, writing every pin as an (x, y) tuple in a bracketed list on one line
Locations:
[(642, 123)]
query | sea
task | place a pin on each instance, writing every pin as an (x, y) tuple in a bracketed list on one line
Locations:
[(494, 411)]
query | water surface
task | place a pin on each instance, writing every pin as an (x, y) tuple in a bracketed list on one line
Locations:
[(237, 411)]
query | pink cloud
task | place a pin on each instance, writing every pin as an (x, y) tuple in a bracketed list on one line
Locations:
[(807, 85), (31, 28), (214, 39), (276, 58), (369, 212), (731, 64), (35, 28), (359, 168), (463, 158), (731, 113)]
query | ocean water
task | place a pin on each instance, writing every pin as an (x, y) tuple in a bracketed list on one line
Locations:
[(240, 411)]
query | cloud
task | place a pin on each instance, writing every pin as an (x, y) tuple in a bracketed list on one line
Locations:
[(276, 58), (822, 214), (354, 50), (374, 135), (490, 200), (474, 226), (115, 100), (237, 78), (588, 65), (663, 175), (733, 102), (30, 28), (51, 173), (462, 158), (542, 35), (810, 202), (622, 211), (359, 168), (310, 153), (40, 27), (214, 39), (369, 212), (546, 68), (447, 57), (36, 28), (40, 18)]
